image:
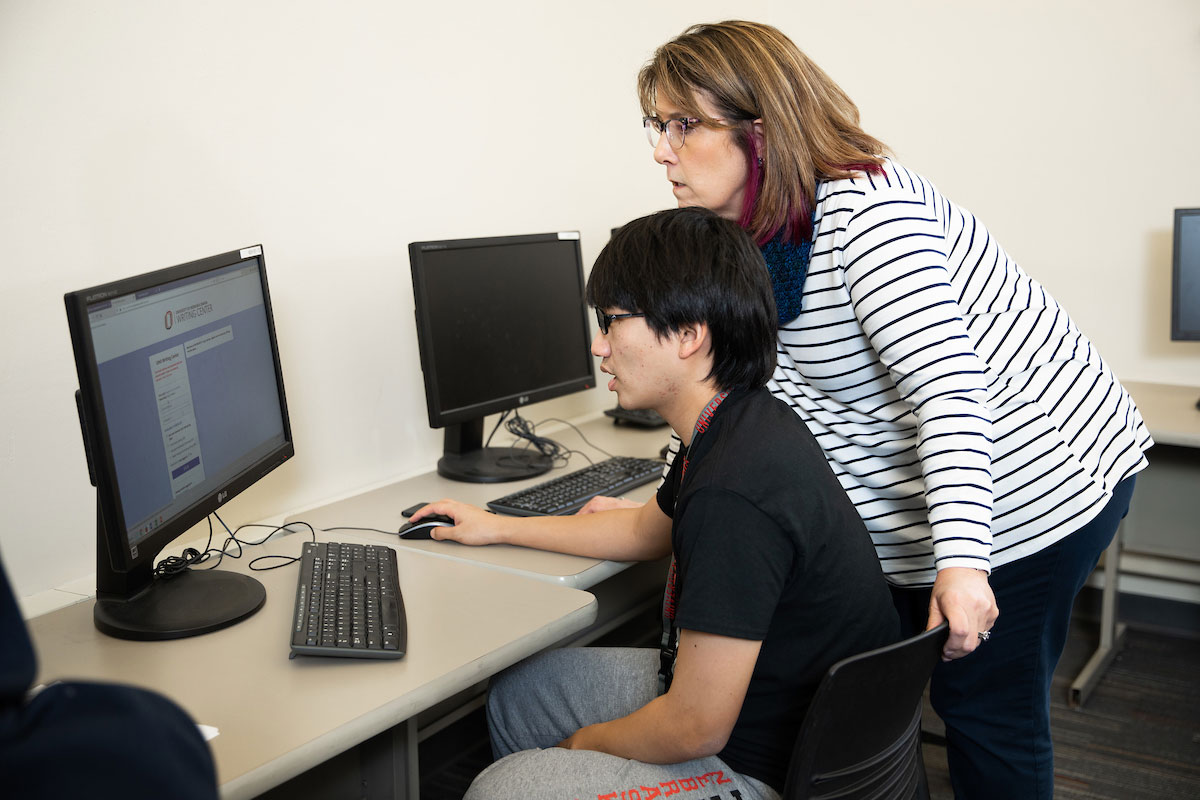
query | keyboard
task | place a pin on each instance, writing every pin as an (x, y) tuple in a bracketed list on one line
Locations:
[(639, 417), (348, 602), (566, 494)]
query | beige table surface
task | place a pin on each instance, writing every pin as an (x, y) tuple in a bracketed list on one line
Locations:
[(379, 507), (1169, 411), (278, 717)]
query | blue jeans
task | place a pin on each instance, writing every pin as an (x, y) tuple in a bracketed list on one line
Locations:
[(539, 702), (996, 701)]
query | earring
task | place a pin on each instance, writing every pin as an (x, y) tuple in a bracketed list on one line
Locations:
[(760, 162)]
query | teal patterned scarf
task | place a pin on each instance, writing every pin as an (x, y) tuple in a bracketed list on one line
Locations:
[(788, 264)]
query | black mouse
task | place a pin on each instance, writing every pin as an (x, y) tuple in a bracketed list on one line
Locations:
[(422, 528)]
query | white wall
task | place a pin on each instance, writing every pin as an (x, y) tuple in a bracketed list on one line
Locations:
[(1071, 127), (137, 134)]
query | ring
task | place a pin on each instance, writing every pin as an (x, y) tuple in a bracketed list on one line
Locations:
[(984, 635)]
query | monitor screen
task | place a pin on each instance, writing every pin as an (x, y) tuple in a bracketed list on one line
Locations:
[(1185, 276), (182, 406), (501, 322)]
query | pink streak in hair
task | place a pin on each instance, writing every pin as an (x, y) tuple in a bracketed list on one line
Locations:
[(798, 226)]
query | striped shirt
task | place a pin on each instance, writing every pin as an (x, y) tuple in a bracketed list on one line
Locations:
[(967, 417)]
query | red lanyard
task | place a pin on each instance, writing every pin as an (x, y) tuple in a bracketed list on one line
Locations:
[(668, 646)]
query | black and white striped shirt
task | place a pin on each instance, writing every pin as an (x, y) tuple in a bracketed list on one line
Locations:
[(966, 416)]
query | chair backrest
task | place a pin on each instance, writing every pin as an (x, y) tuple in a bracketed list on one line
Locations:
[(861, 737)]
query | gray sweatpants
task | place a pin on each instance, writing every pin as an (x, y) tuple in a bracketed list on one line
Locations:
[(541, 701)]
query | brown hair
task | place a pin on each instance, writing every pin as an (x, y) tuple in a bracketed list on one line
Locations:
[(751, 71)]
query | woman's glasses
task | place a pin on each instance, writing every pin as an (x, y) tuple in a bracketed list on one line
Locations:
[(675, 129)]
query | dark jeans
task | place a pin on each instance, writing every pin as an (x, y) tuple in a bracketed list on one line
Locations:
[(996, 701)]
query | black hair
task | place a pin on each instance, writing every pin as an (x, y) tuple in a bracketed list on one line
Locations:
[(689, 265)]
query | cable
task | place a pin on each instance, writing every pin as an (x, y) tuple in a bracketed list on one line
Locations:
[(522, 428), (348, 528), (171, 566), (526, 431), (495, 428), (586, 441)]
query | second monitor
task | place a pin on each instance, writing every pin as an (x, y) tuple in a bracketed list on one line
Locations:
[(501, 323)]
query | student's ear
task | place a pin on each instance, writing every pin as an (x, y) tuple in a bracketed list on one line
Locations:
[(693, 339)]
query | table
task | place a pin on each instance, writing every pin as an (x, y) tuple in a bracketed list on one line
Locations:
[(380, 507), (1162, 514), (279, 717)]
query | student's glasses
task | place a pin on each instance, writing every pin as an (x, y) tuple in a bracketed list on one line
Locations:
[(604, 320), (675, 129)]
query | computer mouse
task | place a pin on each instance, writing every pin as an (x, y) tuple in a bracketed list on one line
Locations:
[(422, 528)]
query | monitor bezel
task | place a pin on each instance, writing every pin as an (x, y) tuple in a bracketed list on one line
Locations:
[(130, 569), (1178, 332), (441, 417)]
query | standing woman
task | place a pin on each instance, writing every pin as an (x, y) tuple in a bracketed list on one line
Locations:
[(986, 445)]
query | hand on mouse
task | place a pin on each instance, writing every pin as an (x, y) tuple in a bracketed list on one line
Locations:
[(472, 525)]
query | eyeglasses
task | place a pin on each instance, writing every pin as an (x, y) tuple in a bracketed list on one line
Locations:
[(604, 320), (675, 129)]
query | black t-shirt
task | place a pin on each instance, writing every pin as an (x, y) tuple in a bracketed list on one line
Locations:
[(768, 547)]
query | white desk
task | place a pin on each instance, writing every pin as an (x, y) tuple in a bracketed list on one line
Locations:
[(279, 717), (1162, 515)]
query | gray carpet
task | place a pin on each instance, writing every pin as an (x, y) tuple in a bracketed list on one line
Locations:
[(1138, 735)]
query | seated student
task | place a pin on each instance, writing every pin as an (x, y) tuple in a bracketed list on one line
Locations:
[(90, 740), (774, 577)]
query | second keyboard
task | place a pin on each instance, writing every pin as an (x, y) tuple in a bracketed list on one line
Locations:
[(568, 493)]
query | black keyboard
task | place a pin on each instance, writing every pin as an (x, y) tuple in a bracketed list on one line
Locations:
[(638, 417), (348, 602), (566, 494)]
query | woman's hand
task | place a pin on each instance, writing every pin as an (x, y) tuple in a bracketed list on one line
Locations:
[(602, 503), (963, 597)]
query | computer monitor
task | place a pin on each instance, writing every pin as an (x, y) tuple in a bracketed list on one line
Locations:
[(501, 322), (1185, 276), (182, 407)]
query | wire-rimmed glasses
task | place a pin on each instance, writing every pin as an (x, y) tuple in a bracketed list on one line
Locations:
[(676, 129)]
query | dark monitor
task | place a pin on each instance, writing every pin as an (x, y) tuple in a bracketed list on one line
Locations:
[(1185, 276), (501, 322), (182, 406)]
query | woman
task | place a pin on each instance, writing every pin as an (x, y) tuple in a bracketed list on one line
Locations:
[(987, 447)]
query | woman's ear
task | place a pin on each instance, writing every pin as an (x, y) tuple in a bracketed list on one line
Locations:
[(760, 141)]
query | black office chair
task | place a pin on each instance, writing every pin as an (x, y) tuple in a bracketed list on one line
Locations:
[(861, 737)]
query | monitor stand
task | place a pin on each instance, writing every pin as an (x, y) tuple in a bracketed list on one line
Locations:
[(135, 604), (188, 604), (465, 458)]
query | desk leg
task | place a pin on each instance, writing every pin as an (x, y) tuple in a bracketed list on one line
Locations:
[(1112, 633), (389, 764)]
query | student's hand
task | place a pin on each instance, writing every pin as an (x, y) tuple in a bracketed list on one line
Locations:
[(602, 503), (472, 525), (963, 597), (576, 741)]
